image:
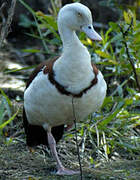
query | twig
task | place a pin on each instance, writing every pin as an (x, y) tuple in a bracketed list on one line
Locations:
[(84, 140), (127, 51), (78, 152), (1, 13), (6, 24), (40, 34)]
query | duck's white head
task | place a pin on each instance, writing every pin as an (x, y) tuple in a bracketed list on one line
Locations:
[(76, 16)]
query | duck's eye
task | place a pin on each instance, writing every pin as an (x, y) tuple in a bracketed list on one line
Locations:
[(89, 27), (79, 14)]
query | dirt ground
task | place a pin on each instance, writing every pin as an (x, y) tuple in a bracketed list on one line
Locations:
[(17, 163)]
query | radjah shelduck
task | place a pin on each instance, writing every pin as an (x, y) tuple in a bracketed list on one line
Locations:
[(53, 84)]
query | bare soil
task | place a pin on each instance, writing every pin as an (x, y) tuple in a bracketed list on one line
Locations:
[(17, 163)]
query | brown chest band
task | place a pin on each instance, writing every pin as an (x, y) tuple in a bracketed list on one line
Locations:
[(51, 75)]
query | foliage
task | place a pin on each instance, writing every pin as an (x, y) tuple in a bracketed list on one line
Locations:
[(114, 132), (42, 21), (5, 111), (118, 56)]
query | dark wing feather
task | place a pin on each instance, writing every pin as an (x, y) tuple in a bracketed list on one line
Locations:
[(36, 135)]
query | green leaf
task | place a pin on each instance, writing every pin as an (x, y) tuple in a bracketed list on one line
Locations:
[(103, 54), (116, 38), (126, 17), (31, 50), (128, 101), (51, 21), (21, 69), (113, 25), (25, 21), (6, 97), (107, 100), (107, 34), (109, 118), (9, 120), (2, 110)]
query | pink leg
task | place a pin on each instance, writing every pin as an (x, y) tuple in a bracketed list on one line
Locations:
[(60, 168)]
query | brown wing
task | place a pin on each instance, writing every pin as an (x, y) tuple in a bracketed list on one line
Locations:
[(95, 69), (46, 64), (36, 135)]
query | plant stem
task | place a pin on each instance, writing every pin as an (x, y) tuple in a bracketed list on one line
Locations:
[(6, 24), (78, 152), (127, 52)]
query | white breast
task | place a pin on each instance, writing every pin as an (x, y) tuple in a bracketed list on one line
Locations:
[(45, 105)]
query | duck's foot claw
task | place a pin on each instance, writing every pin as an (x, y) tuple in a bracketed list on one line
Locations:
[(64, 171)]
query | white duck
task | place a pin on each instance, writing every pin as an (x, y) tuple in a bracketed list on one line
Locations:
[(49, 92)]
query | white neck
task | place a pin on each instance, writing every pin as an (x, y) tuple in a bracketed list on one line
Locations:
[(73, 69), (68, 37)]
